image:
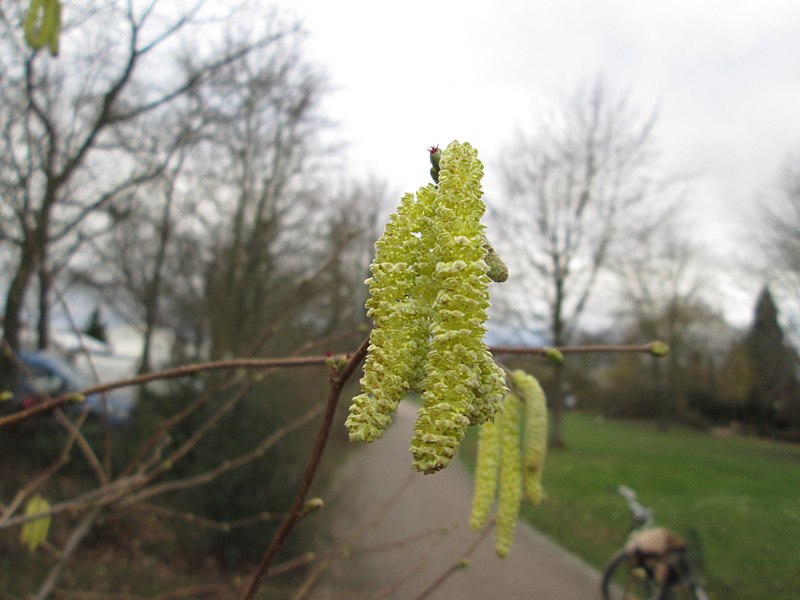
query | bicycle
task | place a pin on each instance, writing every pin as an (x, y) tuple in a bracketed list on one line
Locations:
[(653, 564)]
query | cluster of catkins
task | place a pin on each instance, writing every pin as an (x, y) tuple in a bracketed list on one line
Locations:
[(511, 452), (428, 300)]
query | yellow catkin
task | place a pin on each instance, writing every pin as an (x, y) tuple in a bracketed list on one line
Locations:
[(534, 435), (510, 484), (34, 532), (42, 24), (486, 473)]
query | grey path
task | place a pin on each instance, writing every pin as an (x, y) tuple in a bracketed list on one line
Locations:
[(377, 501)]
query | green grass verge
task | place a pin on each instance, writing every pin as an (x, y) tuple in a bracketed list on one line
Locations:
[(741, 495)]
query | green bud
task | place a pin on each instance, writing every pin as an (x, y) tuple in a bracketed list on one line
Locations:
[(5, 396), (312, 505), (498, 271), (555, 355), (659, 349)]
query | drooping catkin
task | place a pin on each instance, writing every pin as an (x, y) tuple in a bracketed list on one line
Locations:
[(510, 482), (34, 532), (486, 471), (399, 339), (534, 439), (454, 369), (429, 295)]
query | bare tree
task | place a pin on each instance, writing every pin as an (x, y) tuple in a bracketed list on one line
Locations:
[(138, 254), (577, 187), (662, 285), (68, 126), (264, 126), (779, 234), (352, 226)]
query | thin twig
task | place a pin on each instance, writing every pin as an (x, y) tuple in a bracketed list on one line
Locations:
[(74, 429), (225, 466), (31, 487), (72, 544), (107, 444), (338, 378), (346, 549), (598, 349), (201, 401), (462, 562), (192, 518), (284, 362), (97, 497), (177, 372), (265, 335), (75, 433)]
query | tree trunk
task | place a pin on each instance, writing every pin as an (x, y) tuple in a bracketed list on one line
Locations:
[(557, 399), (15, 300), (557, 408), (660, 396), (43, 325)]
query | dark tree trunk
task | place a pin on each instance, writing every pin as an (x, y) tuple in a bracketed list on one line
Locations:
[(43, 325), (15, 300)]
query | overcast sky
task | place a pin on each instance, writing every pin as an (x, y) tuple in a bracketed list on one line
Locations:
[(725, 77)]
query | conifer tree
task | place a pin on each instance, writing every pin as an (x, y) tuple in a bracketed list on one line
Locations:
[(775, 393)]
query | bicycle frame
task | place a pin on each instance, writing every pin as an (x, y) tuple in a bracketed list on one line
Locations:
[(653, 560)]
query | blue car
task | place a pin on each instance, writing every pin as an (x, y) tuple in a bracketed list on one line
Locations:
[(45, 375)]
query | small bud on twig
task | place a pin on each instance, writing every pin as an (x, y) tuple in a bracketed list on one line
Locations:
[(436, 155), (555, 355), (659, 349), (312, 505)]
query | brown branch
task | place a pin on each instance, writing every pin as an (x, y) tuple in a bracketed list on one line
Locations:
[(97, 497), (338, 378), (175, 373), (31, 487), (83, 444), (287, 362)]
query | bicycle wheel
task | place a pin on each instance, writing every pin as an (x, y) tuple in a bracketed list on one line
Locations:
[(624, 580), (681, 585)]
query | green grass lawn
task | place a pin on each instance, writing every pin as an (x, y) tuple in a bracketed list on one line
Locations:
[(741, 495)]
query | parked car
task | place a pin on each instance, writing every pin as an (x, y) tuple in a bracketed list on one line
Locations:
[(45, 375)]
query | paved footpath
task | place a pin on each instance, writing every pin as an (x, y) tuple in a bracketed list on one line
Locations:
[(377, 501)]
